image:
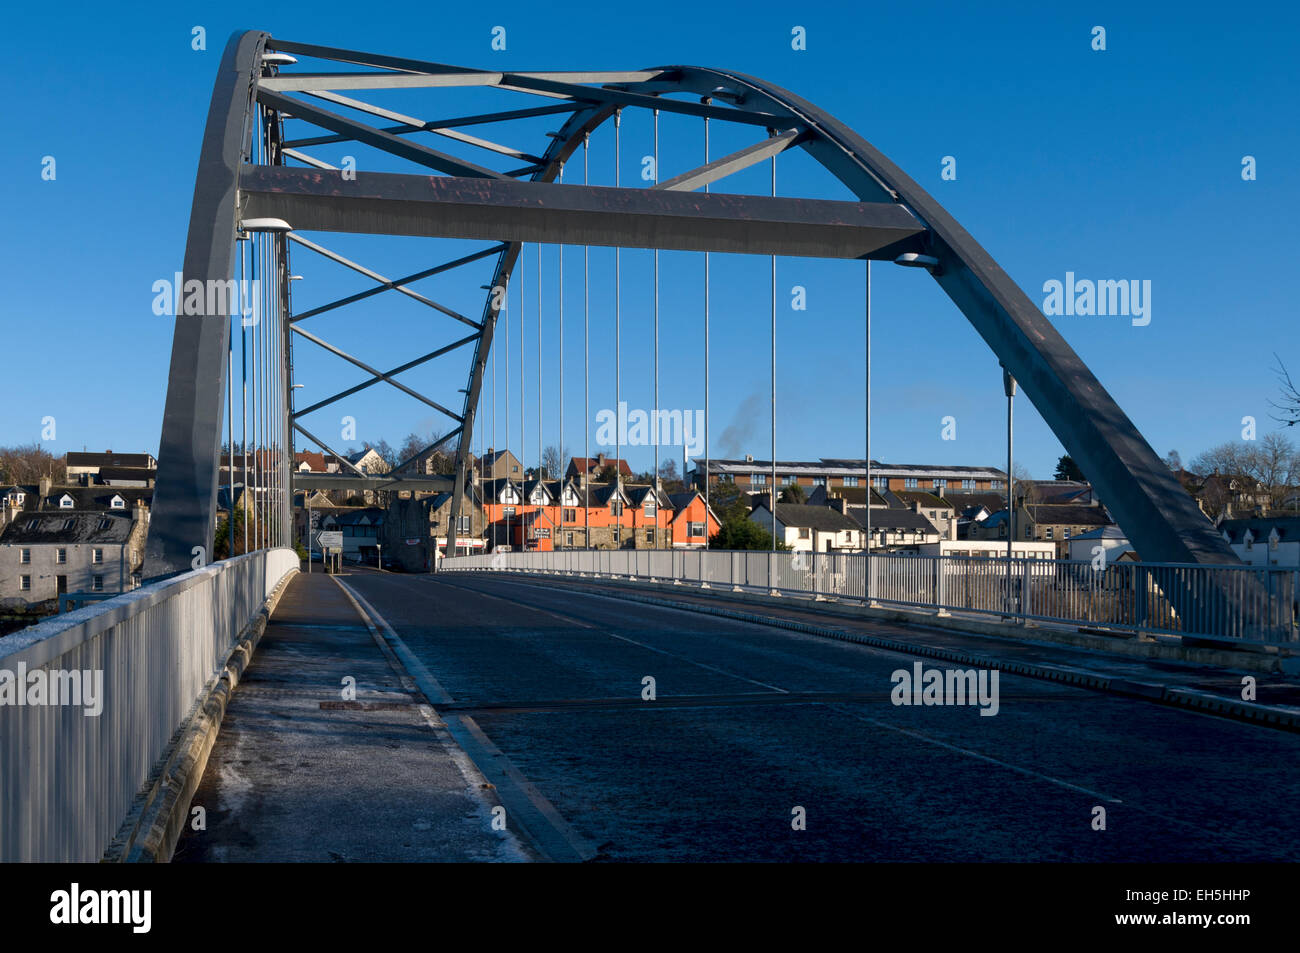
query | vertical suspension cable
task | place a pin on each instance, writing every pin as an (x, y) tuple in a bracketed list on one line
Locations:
[(243, 400), (559, 448), (540, 452), (230, 427), (586, 370), (654, 484), (507, 402), (250, 508), (866, 386), (706, 360), (773, 496), (496, 447), (618, 410)]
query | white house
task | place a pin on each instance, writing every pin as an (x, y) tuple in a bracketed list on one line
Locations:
[(1110, 538), (810, 528), (1266, 541)]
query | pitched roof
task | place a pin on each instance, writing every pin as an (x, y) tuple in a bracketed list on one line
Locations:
[(1053, 514), (926, 499), (109, 459), (593, 464), (1288, 528), (96, 497), (85, 527), (897, 518), (802, 516)]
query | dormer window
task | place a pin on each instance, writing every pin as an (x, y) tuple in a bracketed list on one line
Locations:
[(117, 503), (65, 502)]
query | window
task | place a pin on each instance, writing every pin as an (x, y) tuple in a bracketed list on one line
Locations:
[(61, 555), (788, 479), (24, 583), (1029, 532), (464, 524), (940, 484), (878, 482), (117, 503), (570, 516), (24, 556), (507, 511), (105, 523), (968, 484), (1051, 532), (995, 484), (97, 584), (695, 529), (650, 535), (758, 479), (649, 507), (819, 481), (96, 555), (911, 483), (568, 538), (65, 502), (803, 532), (850, 481), (68, 524), (616, 507)]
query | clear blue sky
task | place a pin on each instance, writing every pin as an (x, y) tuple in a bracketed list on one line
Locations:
[(1117, 164)]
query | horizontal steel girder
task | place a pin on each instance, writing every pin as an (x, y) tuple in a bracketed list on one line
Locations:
[(504, 210), (342, 481)]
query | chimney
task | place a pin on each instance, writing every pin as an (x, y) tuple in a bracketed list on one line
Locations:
[(600, 460), (916, 506), (45, 486)]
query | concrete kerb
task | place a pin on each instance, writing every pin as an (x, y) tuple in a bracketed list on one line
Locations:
[(154, 824), (1174, 696)]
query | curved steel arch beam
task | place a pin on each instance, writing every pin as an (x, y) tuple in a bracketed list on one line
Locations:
[(185, 494), (1158, 515)]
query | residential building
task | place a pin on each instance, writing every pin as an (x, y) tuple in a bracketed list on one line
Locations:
[(85, 468), (693, 522), (805, 528), (590, 468), (1056, 524), (753, 475), (1264, 541), (1112, 540), (52, 552)]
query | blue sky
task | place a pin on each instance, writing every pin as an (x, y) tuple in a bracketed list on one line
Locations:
[(1122, 164)]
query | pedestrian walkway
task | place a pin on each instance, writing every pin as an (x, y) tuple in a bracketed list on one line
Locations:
[(305, 770)]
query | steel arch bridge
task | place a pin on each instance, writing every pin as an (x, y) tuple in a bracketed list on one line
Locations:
[(250, 206)]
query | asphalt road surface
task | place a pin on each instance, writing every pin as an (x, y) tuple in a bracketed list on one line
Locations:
[(753, 728)]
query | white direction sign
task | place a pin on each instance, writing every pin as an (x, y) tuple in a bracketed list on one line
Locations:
[(330, 539)]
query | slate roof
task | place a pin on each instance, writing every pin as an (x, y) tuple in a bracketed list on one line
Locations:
[(76, 458), (1288, 528), (86, 527), (896, 519), (822, 518), (1050, 514), (96, 497)]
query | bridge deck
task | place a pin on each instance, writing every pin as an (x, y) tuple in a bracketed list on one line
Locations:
[(300, 774), (541, 684)]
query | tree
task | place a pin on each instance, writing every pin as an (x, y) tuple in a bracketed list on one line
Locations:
[(672, 483), (792, 494), (607, 474), (1173, 461), (1067, 469), (553, 458), (729, 503), (1023, 488), (27, 464), (386, 453), (1289, 403), (221, 548), (741, 534), (1272, 461)]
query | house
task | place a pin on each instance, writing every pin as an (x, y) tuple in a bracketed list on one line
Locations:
[(501, 465), (1227, 495), (896, 529), (941, 513), (805, 528), (1112, 540), (415, 528), (590, 468), (86, 468), (368, 461), (309, 507), (1045, 523), (311, 461), (693, 522), (987, 549), (1264, 541), (46, 554), (360, 526), (755, 475)]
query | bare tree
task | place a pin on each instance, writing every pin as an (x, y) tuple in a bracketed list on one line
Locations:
[(1289, 404), (28, 463), (553, 458)]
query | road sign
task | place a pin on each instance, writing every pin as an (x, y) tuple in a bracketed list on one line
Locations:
[(330, 539)]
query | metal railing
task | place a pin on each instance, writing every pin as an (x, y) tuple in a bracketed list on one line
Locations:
[(69, 774), (1240, 603)]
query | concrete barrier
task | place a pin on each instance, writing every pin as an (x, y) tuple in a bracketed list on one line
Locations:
[(74, 758)]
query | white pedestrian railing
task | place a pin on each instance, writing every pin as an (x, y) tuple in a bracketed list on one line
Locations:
[(119, 678), (1241, 603)]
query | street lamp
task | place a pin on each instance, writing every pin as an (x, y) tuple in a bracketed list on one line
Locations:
[(1009, 387)]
